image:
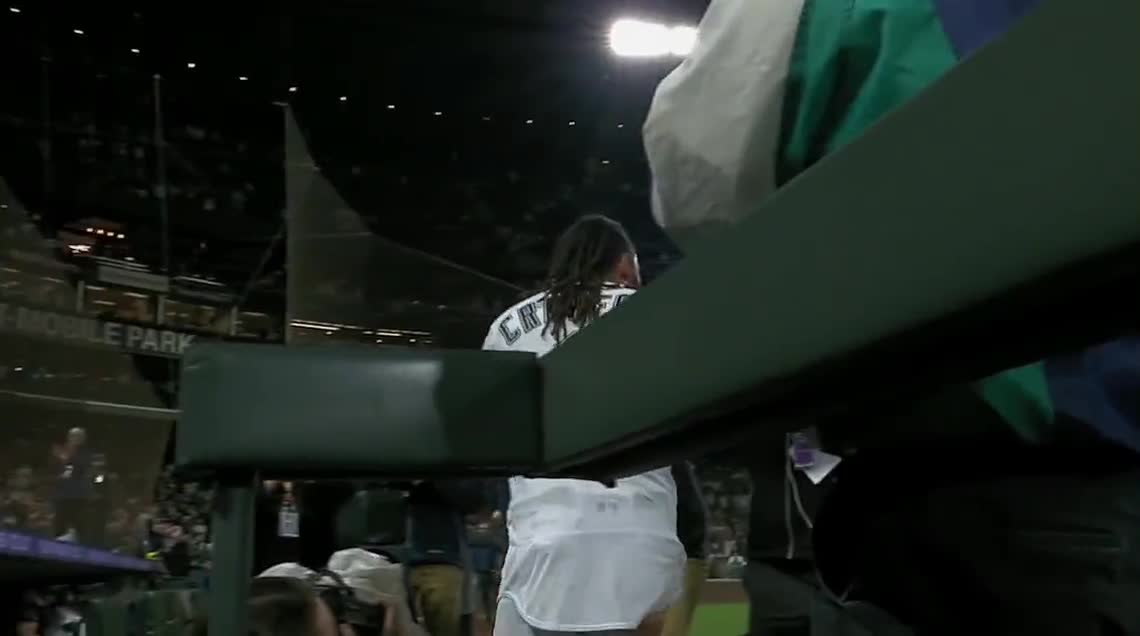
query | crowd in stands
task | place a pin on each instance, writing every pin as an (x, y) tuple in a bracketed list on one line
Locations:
[(728, 492), (93, 484), (182, 518), (171, 520), (167, 520), (29, 500)]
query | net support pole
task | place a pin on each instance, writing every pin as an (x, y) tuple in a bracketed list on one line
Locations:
[(160, 177), (47, 158), (232, 554)]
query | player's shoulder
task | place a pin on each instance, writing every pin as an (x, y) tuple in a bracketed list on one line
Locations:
[(615, 296), (495, 338), (616, 292)]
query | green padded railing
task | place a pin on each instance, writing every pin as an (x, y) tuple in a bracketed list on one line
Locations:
[(929, 250), (353, 411)]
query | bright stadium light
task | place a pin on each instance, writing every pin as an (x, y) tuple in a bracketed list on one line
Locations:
[(636, 38), (682, 40)]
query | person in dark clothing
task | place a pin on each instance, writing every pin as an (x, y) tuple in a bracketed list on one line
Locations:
[(98, 507), (375, 517), (73, 462), (296, 522), (307, 522), (270, 547), (14, 512), (982, 533), (692, 530), (780, 576), (438, 558), (488, 546), (319, 502), (17, 499), (489, 543)]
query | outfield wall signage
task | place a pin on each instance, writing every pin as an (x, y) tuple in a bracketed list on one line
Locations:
[(65, 327)]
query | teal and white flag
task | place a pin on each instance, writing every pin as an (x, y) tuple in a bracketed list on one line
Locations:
[(774, 86)]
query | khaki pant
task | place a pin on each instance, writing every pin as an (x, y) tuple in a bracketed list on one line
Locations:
[(437, 598), (679, 618)]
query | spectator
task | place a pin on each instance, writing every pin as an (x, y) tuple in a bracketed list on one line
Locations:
[(99, 505), (692, 530), (186, 505), (282, 606), (274, 544), (17, 502), (488, 539), (73, 461), (358, 593), (439, 557), (780, 575)]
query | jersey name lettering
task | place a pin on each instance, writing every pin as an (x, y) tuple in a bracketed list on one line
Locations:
[(508, 331), (524, 320), (529, 315)]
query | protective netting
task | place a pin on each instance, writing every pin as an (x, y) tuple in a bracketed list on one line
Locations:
[(345, 282)]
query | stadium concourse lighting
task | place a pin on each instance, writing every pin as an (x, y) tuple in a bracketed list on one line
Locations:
[(636, 38)]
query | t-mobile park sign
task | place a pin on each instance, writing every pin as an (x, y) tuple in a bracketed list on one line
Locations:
[(81, 329)]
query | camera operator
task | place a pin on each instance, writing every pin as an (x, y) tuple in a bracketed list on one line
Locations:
[(420, 524)]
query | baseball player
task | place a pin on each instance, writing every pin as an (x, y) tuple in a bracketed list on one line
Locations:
[(584, 557)]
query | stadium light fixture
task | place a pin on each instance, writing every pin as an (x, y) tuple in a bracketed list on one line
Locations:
[(637, 38), (682, 40)]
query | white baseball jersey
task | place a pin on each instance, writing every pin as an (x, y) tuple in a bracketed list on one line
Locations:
[(582, 556)]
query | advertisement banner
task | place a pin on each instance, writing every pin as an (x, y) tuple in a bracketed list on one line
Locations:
[(54, 325)]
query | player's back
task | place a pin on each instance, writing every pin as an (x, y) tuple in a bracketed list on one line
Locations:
[(615, 548), (523, 327)]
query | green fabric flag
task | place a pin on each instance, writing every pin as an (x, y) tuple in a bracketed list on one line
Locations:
[(853, 63)]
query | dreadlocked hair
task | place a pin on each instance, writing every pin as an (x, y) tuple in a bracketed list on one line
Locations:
[(584, 257)]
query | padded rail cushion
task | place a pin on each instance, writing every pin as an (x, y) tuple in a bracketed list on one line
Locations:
[(938, 247), (357, 411)]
